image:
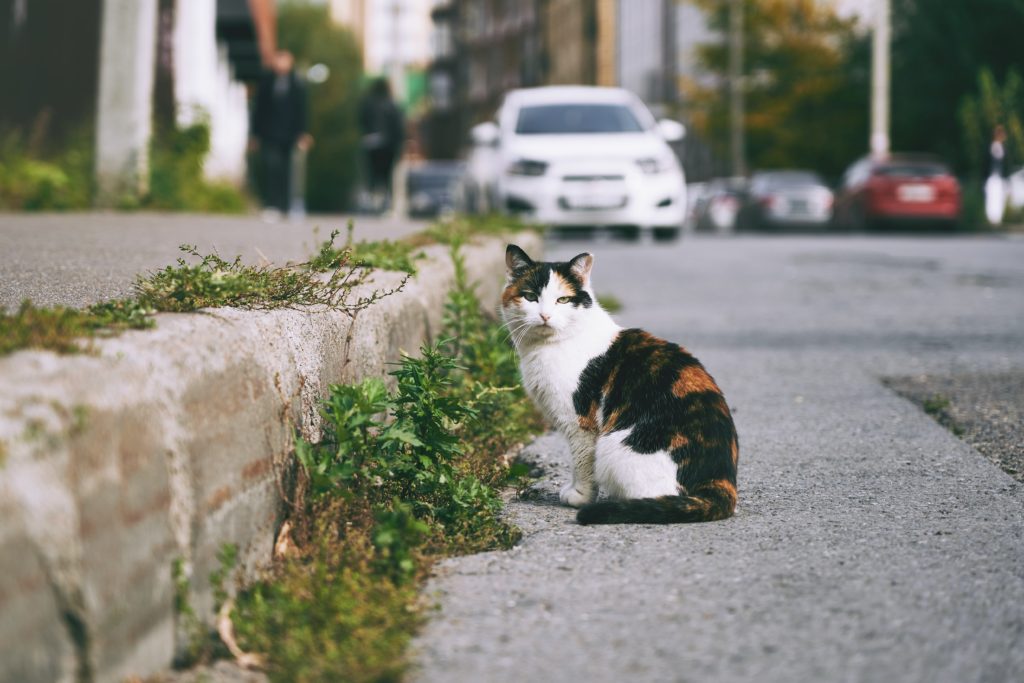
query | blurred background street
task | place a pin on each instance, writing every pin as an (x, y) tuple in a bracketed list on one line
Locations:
[(813, 114), (822, 199)]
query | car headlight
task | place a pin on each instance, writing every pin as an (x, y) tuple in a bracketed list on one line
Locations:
[(654, 165), (529, 167)]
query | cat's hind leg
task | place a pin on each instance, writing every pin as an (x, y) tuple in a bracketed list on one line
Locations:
[(624, 474)]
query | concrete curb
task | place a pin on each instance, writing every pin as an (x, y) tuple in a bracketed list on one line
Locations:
[(166, 445)]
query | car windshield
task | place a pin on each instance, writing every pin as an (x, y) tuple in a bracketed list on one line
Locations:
[(562, 119), (911, 170), (789, 179)]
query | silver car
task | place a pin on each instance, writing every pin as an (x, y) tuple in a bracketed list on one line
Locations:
[(778, 199)]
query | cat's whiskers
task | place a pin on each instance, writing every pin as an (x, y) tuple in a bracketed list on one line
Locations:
[(510, 332)]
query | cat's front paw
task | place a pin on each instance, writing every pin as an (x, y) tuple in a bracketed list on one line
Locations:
[(570, 495)]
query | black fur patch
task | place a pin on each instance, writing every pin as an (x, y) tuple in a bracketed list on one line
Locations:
[(663, 395), (531, 277)]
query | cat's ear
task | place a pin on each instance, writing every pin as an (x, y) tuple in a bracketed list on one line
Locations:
[(580, 266), (516, 259)]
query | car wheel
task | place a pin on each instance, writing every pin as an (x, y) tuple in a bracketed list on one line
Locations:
[(665, 233)]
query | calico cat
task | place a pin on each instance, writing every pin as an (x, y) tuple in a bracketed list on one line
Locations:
[(645, 422)]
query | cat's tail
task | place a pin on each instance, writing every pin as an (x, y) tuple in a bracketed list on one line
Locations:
[(708, 503)]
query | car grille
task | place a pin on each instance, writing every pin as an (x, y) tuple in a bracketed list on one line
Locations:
[(590, 178)]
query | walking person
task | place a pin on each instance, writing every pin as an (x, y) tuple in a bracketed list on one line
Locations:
[(279, 126), (383, 134), (995, 185)]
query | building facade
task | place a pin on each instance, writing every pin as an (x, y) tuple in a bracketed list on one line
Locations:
[(126, 66)]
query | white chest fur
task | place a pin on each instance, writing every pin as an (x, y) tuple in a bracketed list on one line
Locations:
[(551, 368)]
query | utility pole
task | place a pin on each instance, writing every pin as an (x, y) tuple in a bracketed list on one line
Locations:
[(736, 113), (880, 79)]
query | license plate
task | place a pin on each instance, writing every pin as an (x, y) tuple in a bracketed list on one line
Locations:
[(915, 193), (595, 201), (799, 206)]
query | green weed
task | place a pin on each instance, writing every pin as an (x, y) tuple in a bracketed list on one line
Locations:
[(192, 631), (176, 178), (214, 282), (399, 479), (610, 303), (206, 281), (34, 179), (460, 228), (63, 329), (380, 254), (935, 405)]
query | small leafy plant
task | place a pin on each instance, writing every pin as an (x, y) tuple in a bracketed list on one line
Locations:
[(381, 254), (400, 478)]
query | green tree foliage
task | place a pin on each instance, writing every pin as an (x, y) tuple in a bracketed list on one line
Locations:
[(333, 167), (806, 83), (939, 47)]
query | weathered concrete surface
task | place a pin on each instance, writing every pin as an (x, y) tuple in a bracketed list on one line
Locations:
[(167, 444), (77, 259), (870, 544)]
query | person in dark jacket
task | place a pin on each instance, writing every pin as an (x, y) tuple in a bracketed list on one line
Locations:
[(279, 125), (383, 133)]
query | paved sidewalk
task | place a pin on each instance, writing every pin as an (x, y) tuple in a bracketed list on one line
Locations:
[(870, 543), (77, 259)]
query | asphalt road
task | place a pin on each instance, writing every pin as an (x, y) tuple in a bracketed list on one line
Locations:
[(79, 259), (870, 543)]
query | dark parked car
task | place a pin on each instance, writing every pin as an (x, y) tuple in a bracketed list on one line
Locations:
[(901, 188), (431, 187), (786, 199)]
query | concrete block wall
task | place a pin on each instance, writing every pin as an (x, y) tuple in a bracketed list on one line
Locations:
[(167, 444)]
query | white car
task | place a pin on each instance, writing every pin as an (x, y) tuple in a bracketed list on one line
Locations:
[(579, 156)]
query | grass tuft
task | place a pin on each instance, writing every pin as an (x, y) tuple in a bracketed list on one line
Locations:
[(214, 282), (381, 254), (64, 329)]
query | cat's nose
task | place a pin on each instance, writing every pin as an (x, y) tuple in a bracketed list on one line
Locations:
[(545, 317)]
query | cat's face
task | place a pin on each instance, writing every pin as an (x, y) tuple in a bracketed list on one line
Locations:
[(545, 298)]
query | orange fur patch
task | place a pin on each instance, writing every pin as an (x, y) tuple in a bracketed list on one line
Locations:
[(510, 294), (678, 441), (564, 288), (588, 422), (609, 422), (693, 380)]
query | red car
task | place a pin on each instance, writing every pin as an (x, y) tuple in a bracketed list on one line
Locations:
[(901, 188)]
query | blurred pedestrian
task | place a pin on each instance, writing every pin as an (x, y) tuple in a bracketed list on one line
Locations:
[(279, 126), (995, 185), (383, 133)]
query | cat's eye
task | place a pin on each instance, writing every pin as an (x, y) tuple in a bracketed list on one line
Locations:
[(530, 296), (564, 299)]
